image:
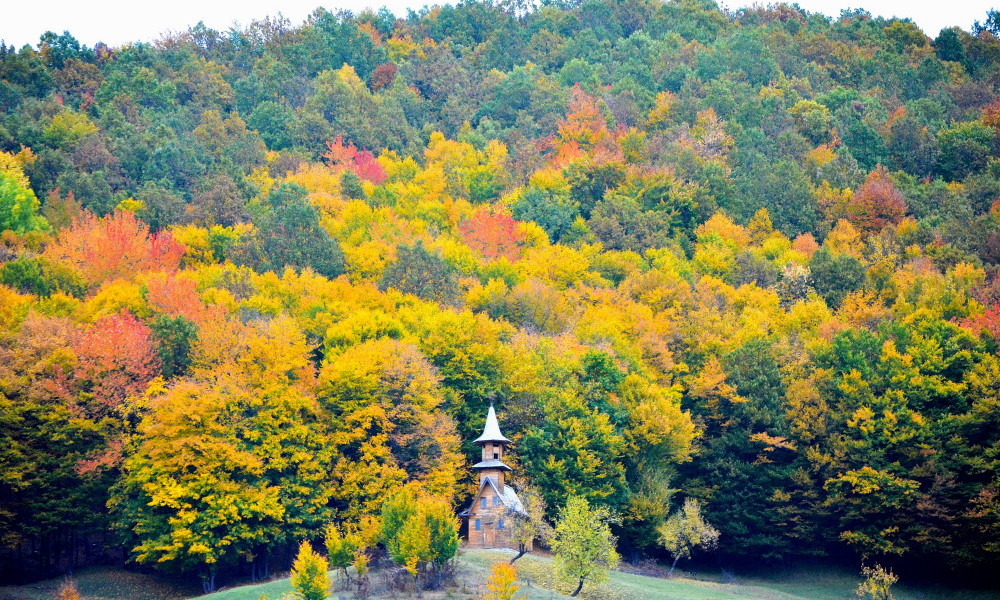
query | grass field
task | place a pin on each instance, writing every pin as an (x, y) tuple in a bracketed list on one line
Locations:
[(537, 581)]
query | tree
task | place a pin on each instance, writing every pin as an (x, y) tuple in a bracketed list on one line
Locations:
[(116, 358), (876, 204), (341, 549), (18, 203), (421, 533), (686, 530), (530, 525), (232, 461), (836, 275), (309, 578), (422, 273), (583, 544), (877, 583), (502, 583), (118, 245), (289, 234), (175, 336), (493, 235)]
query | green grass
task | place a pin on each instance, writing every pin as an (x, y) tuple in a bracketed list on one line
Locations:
[(537, 583)]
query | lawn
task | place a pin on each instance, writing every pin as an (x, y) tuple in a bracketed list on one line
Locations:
[(537, 583)]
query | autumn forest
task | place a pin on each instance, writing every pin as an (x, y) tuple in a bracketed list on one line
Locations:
[(255, 281)]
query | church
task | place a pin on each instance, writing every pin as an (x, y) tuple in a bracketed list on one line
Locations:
[(489, 515)]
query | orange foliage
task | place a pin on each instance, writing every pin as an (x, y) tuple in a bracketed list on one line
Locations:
[(806, 244), (117, 245), (493, 235), (877, 203), (584, 124), (175, 296), (991, 114)]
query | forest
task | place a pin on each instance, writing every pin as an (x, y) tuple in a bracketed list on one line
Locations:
[(254, 281)]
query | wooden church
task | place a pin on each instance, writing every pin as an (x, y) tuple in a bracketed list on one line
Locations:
[(496, 503)]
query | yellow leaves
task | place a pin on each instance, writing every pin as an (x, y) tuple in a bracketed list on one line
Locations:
[(662, 109), (710, 383), (13, 166), (197, 247), (844, 239), (69, 127), (130, 204), (534, 235), (13, 308), (111, 299), (403, 47), (319, 179), (722, 226), (502, 583), (560, 265), (552, 181), (820, 156), (661, 426)]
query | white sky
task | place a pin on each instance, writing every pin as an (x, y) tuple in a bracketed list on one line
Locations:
[(118, 21)]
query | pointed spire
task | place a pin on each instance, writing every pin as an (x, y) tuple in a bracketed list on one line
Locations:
[(491, 433)]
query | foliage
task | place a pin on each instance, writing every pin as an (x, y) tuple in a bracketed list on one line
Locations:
[(421, 534), (686, 530), (309, 578), (583, 545), (501, 584), (528, 526), (877, 583)]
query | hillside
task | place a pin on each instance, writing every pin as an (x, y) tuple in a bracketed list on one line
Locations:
[(256, 282)]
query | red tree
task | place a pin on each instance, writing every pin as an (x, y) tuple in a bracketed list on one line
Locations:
[(116, 358), (348, 158)]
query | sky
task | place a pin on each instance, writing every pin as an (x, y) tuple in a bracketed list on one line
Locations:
[(116, 22)]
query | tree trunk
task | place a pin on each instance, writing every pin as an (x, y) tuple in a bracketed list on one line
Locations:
[(577, 590), (520, 552), (208, 581), (671, 572)]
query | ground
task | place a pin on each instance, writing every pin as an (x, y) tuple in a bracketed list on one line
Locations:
[(536, 572)]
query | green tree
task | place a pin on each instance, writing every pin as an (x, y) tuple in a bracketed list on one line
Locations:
[(18, 205), (174, 336), (583, 544), (420, 533), (834, 276), (309, 577), (342, 548), (422, 273), (289, 234), (686, 530)]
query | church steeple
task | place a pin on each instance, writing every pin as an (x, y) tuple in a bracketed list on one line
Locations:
[(493, 444)]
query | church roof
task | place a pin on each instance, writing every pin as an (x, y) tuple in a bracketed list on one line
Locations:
[(509, 498), (491, 464), (491, 432)]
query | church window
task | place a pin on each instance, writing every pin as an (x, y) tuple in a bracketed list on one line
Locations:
[(479, 525), (482, 503)]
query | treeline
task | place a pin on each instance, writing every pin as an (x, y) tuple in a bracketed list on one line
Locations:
[(277, 272)]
